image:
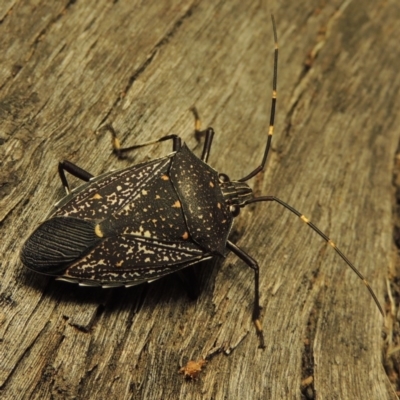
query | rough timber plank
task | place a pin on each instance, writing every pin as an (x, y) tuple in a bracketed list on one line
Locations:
[(68, 68)]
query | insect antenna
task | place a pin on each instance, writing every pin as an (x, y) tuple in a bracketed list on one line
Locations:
[(325, 237), (273, 106)]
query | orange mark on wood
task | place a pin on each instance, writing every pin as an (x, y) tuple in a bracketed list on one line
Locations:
[(192, 369)]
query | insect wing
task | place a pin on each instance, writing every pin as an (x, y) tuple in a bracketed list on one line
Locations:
[(145, 239), (133, 260), (58, 242), (107, 193)]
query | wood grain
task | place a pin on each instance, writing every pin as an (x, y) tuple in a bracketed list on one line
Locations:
[(69, 67)]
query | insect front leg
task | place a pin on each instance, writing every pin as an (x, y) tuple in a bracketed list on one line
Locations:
[(73, 170), (254, 266), (119, 151)]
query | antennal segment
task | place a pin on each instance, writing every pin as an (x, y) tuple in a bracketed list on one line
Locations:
[(326, 238), (273, 106)]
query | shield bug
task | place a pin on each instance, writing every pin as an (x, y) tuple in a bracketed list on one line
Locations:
[(138, 224)]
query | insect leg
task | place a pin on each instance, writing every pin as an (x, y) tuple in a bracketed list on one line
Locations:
[(254, 266), (118, 150), (272, 114), (73, 170), (208, 133)]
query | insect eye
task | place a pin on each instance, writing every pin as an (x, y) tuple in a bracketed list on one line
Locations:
[(235, 210), (223, 178)]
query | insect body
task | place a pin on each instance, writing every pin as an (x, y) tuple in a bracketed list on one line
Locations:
[(159, 217), (138, 224)]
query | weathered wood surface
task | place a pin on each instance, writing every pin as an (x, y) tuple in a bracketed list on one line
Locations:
[(69, 67)]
